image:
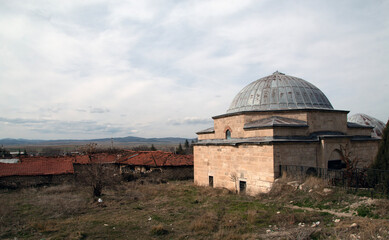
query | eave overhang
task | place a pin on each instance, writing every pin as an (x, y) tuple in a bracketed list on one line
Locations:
[(279, 111)]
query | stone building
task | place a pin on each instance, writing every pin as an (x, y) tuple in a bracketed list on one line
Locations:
[(276, 120)]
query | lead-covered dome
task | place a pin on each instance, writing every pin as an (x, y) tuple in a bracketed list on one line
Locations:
[(279, 92), (367, 120)]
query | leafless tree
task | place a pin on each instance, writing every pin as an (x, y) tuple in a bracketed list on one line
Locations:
[(349, 159), (234, 177), (97, 174)]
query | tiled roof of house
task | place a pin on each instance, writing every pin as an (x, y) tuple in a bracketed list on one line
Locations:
[(37, 167), (156, 159), (80, 159)]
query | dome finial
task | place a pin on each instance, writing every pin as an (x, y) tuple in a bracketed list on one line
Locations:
[(277, 72)]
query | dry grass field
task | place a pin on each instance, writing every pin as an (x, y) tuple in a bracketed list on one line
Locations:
[(180, 210)]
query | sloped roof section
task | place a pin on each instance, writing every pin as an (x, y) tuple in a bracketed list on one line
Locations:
[(36, 168), (279, 92), (275, 121), (208, 130), (156, 159)]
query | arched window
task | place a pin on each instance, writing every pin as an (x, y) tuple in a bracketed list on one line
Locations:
[(228, 134)]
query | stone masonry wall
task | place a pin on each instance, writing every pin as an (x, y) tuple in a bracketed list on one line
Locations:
[(236, 124), (300, 154), (327, 121), (250, 163), (15, 182), (317, 120), (365, 151), (359, 131), (281, 131), (205, 136)]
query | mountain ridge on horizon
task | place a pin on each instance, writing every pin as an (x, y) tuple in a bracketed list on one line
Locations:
[(128, 139)]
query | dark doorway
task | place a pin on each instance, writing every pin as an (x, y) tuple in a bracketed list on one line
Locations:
[(242, 186), (336, 164), (211, 181)]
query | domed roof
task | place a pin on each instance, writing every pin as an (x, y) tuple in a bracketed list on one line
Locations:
[(279, 92), (367, 120)]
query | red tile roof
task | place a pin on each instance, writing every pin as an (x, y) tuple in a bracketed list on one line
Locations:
[(156, 159), (37, 167), (80, 159)]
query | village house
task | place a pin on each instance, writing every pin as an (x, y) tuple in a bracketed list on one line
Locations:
[(274, 121), (35, 173), (165, 165)]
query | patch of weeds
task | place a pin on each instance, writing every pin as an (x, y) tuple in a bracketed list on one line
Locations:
[(26, 207), (138, 208), (316, 235), (306, 202), (366, 211), (325, 214), (157, 218), (159, 230), (75, 235), (345, 210), (207, 222)]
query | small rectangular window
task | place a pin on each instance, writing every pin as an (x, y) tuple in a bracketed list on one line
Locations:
[(242, 186), (211, 181)]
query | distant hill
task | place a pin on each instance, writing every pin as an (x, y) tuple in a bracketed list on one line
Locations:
[(103, 141)]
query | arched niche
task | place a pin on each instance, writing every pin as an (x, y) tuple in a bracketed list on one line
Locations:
[(335, 160)]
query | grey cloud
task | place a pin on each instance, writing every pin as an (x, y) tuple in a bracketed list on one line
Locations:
[(189, 121), (93, 110), (98, 110), (59, 127)]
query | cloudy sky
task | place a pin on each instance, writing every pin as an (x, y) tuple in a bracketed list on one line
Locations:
[(90, 69)]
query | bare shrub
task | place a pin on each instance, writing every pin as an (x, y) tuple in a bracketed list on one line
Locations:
[(382, 208), (314, 183), (280, 187), (366, 229), (251, 216), (159, 230), (97, 176)]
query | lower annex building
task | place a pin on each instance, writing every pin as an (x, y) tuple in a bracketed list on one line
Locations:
[(276, 120)]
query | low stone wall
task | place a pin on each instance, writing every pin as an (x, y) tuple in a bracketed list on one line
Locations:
[(14, 182), (158, 174)]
